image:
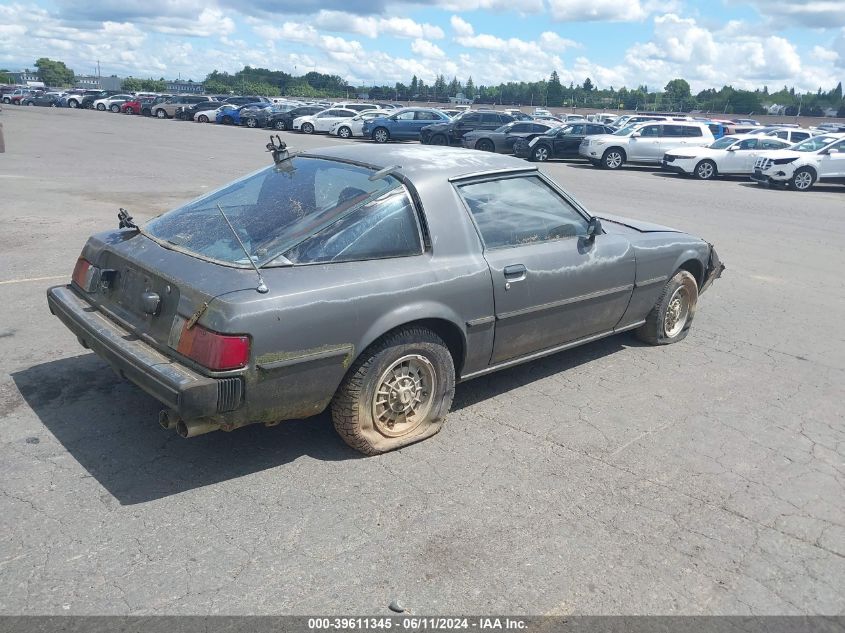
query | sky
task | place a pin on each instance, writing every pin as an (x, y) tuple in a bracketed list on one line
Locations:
[(743, 43)]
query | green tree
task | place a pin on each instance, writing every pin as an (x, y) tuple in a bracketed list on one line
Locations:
[(677, 94), (588, 85), (54, 73), (469, 89), (415, 88), (554, 91)]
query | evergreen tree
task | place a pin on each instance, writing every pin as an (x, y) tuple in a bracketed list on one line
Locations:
[(554, 91)]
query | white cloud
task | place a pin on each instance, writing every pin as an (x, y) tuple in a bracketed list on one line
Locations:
[(554, 42), (208, 23), (372, 26), (597, 10), (427, 50), (824, 54), (813, 13), (461, 27)]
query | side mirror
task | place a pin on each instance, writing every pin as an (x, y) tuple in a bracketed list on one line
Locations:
[(594, 228), (636, 135), (732, 148), (833, 150)]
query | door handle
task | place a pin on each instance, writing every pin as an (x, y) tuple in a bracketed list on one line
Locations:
[(514, 272)]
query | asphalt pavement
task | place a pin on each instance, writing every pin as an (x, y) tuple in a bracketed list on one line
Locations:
[(700, 478)]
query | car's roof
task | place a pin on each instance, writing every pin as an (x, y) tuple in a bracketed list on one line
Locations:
[(423, 161)]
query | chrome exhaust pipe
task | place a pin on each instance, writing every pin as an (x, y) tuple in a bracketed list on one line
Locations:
[(167, 419), (192, 428)]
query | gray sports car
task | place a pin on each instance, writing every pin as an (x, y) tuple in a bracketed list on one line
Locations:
[(370, 279), (502, 139)]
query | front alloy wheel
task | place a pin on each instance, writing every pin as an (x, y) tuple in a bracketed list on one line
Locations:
[(101, 107), (307, 128), (202, 118), (280, 125), (612, 159), (344, 132), (381, 135), (705, 170), (540, 154), (161, 114), (802, 179), (251, 122)]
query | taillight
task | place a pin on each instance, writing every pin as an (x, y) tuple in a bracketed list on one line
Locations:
[(85, 275), (212, 350)]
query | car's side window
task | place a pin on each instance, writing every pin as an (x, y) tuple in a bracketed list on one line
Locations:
[(523, 210), (537, 127), (578, 129), (799, 136), (386, 227), (771, 143), (692, 130), (520, 127), (405, 116), (491, 119), (470, 118), (749, 143), (650, 130), (422, 115)]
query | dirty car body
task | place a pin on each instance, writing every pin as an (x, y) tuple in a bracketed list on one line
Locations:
[(374, 240)]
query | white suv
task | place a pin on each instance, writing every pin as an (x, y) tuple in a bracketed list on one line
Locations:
[(818, 158), (643, 142)]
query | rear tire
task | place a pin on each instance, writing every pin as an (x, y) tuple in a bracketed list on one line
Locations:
[(398, 392), (101, 107), (307, 128), (115, 108), (439, 139), (671, 317), (161, 114), (280, 125)]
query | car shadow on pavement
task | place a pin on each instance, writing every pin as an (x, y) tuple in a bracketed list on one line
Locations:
[(110, 427), (503, 381)]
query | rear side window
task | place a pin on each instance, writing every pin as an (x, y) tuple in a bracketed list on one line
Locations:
[(595, 129), (692, 130), (422, 115), (577, 129), (799, 136), (470, 118), (519, 211), (521, 127), (749, 143), (384, 228), (770, 143), (491, 118)]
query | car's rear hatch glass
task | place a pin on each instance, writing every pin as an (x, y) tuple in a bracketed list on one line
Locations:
[(272, 210)]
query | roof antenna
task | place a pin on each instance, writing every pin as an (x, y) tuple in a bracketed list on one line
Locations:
[(262, 287)]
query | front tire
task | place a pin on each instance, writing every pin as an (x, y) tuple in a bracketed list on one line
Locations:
[(161, 114), (307, 128), (485, 145), (202, 118), (671, 317), (73, 103), (397, 393), (101, 107), (115, 108), (613, 158), (280, 125), (344, 132), (705, 170), (439, 139), (252, 122), (540, 154), (802, 179), (381, 135)]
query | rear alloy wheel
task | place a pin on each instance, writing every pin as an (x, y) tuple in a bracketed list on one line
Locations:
[(280, 125), (381, 135), (439, 139), (344, 132), (397, 393), (671, 317), (705, 170), (540, 154), (307, 128), (101, 107), (202, 118), (252, 122), (73, 104), (129, 111), (612, 159), (161, 114), (30, 103), (485, 145), (802, 179), (115, 108)]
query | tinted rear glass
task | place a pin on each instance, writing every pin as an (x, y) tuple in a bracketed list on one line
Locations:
[(272, 210)]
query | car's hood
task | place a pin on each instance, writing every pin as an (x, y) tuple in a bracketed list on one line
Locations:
[(692, 150), (618, 223), (782, 153), (604, 138)]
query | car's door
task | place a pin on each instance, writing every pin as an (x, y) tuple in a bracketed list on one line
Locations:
[(567, 144), (739, 157), (505, 140), (468, 122), (832, 163), (552, 284), (644, 142), (671, 137)]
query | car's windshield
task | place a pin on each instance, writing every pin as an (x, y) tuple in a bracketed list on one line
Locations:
[(627, 130), (724, 142), (814, 143), (272, 210)]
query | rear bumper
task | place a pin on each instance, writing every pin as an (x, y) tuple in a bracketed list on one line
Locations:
[(190, 394)]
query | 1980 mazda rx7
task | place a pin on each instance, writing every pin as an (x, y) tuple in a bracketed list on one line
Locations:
[(369, 279)]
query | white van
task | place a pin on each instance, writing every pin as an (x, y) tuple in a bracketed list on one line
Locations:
[(643, 142)]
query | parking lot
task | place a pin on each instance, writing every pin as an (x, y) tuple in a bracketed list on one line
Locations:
[(700, 478)]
